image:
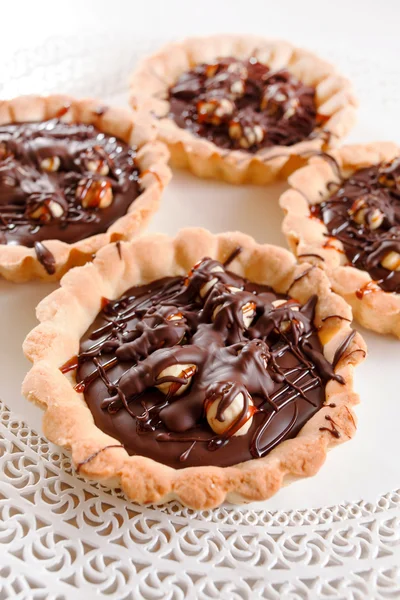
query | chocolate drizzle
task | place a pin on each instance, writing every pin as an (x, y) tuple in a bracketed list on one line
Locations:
[(45, 257), (92, 456), (53, 175), (226, 338), (243, 105), (364, 214), (333, 430)]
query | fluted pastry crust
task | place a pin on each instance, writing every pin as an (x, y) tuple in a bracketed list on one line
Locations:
[(67, 313), (334, 99)]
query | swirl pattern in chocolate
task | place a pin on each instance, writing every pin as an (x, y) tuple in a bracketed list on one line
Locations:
[(62, 181), (243, 105), (207, 369), (364, 214)]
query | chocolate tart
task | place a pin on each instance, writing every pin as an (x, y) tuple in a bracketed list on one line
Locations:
[(242, 108), (203, 381), (343, 215), (74, 176)]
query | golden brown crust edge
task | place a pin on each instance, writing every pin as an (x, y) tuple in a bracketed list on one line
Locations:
[(19, 263), (377, 310), (334, 95), (66, 314)]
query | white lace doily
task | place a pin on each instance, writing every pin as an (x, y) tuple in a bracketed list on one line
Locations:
[(62, 537)]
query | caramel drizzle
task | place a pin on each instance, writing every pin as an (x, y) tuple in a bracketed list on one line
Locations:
[(310, 373)]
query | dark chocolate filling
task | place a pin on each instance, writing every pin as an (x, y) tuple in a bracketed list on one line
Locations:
[(243, 105), (276, 366), (54, 176), (364, 214)]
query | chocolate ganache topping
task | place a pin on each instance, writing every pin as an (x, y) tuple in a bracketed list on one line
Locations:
[(207, 369), (243, 105), (364, 214), (62, 181)]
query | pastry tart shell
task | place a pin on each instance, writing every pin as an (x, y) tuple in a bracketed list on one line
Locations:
[(67, 313)]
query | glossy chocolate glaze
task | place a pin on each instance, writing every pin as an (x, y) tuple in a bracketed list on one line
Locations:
[(277, 363), (275, 101), (376, 192), (73, 151)]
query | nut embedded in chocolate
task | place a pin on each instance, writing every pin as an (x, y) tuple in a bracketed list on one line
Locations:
[(247, 135), (235, 416), (214, 110), (363, 214), (210, 284), (248, 309), (44, 210), (237, 88), (285, 324), (98, 166), (50, 164), (178, 378), (94, 193), (391, 261)]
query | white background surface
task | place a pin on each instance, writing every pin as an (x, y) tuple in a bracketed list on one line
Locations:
[(89, 48)]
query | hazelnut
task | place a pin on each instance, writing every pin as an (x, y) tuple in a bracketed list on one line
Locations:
[(390, 175), (50, 164), (271, 98), (238, 69), (210, 284), (291, 108), (278, 303), (98, 165), (237, 88), (248, 309), (46, 211), (235, 130), (214, 111), (230, 415), (4, 152), (391, 261), (174, 388), (363, 215), (277, 100), (374, 219), (210, 70), (175, 317), (285, 325), (248, 135), (94, 193)]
